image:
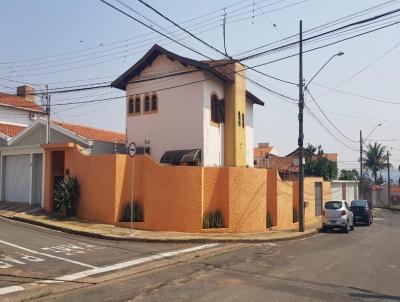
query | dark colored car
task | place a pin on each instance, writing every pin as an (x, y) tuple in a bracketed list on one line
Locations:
[(362, 212)]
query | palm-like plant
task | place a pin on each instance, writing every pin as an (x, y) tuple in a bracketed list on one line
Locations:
[(375, 159)]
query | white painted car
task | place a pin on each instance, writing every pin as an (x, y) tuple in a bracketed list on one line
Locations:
[(337, 214)]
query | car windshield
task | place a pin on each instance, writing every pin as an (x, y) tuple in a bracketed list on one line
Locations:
[(333, 205), (359, 203)]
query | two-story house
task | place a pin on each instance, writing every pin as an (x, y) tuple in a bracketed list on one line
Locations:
[(184, 111), (17, 112)]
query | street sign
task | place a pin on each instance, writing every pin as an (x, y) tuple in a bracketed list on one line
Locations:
[(132, 149)]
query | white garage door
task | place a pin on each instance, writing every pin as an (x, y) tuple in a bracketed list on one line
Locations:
[(16, 182)]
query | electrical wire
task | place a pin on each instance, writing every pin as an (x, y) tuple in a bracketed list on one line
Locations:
[(327, 118)]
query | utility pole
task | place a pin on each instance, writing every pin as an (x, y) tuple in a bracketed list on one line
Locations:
[(388, 175), (301, 134), (360, 194), (47, 115)]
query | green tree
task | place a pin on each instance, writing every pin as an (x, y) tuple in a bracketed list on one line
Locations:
[(348, 174), (375, 159), (317, 165)]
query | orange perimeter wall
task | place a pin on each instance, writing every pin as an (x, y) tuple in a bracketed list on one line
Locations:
[(174, 198)]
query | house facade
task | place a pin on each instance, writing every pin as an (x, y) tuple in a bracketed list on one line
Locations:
[(22, 160), (17, 112), (201, 114)]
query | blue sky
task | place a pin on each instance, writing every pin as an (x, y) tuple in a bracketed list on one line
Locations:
[(44, 28)]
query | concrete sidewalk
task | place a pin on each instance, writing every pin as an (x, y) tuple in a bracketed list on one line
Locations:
[(105, 231)]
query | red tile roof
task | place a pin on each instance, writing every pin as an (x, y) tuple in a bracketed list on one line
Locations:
[(93, 133), (10, 130), (260, 152), (19, 102), (395, 189), (376, 187)]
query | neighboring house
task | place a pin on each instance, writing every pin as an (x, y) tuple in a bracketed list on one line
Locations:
[(378, 195), (17, 112), (22, 160), (288, 166), (344, 190), (260, 154), (202, 115)]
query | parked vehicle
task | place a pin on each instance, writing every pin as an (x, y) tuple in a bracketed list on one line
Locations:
[(337, 214), (362, 212)]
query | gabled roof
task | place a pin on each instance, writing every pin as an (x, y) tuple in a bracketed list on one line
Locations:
[(150, 56), (10, 130), (19, 103), (81, 133), (219, 68), (93, 133)]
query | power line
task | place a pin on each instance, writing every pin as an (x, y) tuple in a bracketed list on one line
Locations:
[(363, 69), (327, 118), (327, 130), (252, 56), (208, 14), (358, 95)]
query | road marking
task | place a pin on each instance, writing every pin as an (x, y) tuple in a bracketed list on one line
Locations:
[(272, 244), (375, 218), (47, 255), (392, 266), (117, 266), (10, 289)]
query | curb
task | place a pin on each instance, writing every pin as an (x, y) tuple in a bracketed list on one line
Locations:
[(164, 240)]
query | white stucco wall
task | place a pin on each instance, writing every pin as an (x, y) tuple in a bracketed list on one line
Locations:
[(213, 133), (351, 189), (17, 116), (249, 134), (336, 191), (178, 124)]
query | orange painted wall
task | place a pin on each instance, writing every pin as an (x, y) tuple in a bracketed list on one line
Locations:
[(174, 198), (170, 195), (285, 204), (96, 175), (309, 196), (216, 192), (272, 194), (247, 200)]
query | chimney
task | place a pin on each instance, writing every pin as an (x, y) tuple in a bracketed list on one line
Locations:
[(27, 92)]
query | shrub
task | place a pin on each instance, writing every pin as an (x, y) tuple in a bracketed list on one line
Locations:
[(269, 220), (66, 195), (137, 213), (212, 220), (295, 216)]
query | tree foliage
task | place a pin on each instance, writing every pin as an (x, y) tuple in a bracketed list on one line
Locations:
[(375, 159), (349, 174), (317, 165)]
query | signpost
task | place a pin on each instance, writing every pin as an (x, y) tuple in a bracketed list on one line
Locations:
[(132, 153)]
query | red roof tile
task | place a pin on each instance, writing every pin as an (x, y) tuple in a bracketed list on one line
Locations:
[(395, 189), (10, 130), (19, 102), (260, 152), (93, 133)]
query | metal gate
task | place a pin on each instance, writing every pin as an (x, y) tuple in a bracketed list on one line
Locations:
[(318, 198)]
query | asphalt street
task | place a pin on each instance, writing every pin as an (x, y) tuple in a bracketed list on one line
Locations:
[(361, 266)]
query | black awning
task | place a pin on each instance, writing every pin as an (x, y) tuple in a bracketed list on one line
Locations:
[(178, 157)]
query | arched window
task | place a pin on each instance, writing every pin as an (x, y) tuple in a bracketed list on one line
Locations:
[(242, 120), (214, 108), (146, 103), (154, 102), (137, 104), (238, 118), (130, 106)]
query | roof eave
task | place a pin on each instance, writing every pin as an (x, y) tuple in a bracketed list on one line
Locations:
[(146, 60)]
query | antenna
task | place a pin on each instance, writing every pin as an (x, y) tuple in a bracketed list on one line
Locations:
[(224, 32)]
